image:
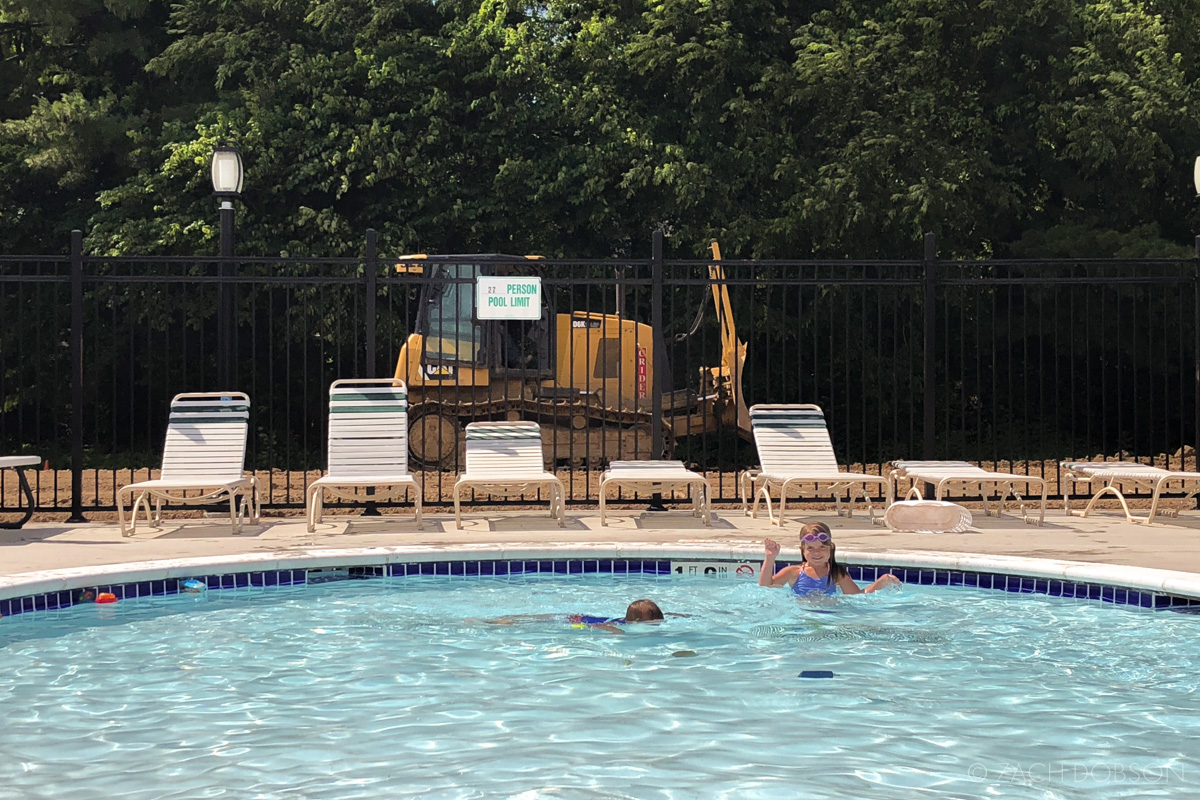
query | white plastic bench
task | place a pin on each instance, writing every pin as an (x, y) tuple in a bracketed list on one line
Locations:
[(368, 445), (796, 455), (1103, 477), (657, 476), (204, 451), (505, 459), (15, 463), (942, 474)]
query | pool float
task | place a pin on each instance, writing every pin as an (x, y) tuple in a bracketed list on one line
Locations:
[(106, 597), (927, 516), (193, 586)]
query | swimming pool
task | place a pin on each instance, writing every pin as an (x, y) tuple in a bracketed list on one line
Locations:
[(385, 688)]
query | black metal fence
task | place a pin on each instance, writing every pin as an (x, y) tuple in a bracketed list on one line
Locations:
[(1016, 363)]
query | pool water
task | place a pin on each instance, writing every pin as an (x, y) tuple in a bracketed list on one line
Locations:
[(392, 688)]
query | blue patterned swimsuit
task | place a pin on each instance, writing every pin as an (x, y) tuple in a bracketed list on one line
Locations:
[(805, 585)]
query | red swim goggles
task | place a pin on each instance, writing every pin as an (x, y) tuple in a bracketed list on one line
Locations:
[(816, 537)]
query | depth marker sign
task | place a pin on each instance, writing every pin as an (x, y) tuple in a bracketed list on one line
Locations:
[(508, 298), (719, 569)]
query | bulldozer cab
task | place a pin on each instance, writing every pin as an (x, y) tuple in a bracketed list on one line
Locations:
[(455, 338)]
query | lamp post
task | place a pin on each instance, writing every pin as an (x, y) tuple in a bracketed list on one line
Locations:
[(227, 184)]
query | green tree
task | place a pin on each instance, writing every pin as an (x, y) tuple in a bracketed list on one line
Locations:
[(74, 83), (575, 127)]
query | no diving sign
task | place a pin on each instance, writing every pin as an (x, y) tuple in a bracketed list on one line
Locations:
[(715, 569), (508, 298)]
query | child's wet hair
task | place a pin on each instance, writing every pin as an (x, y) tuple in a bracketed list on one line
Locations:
[(643, 611)]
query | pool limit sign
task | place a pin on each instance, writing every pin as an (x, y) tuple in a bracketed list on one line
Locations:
[(508, 298)]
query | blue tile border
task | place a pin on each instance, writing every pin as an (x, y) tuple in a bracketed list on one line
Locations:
[(471, 568)]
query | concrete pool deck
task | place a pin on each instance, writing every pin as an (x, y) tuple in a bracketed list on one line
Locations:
[(1105, 538)]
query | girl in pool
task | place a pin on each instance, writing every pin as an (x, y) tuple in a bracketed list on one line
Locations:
[(818, 573)]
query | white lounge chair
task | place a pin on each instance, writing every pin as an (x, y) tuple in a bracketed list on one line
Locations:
[(205, 451), (15, 463), (794, 450), (942, 474), (368, 445), (657, 476), (505, 459), (1104, 476)]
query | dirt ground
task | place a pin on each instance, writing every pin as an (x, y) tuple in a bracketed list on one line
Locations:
[(53, 487)]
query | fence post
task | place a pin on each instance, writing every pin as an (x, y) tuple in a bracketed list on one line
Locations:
[(930, 313), (371, 286), (371, 276), (76, 377), (659, 350), (659, 344), (1196, 363)]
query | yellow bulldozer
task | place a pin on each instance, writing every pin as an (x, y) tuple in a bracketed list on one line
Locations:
[(587, 378)]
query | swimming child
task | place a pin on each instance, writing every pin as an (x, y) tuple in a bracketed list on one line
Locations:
[(818, 573), (637, 611)]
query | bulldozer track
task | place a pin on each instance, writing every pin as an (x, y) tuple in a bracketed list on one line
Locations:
[(556, 414), (535, 409)]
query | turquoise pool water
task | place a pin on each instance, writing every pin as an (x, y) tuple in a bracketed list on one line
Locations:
[(386, 688)]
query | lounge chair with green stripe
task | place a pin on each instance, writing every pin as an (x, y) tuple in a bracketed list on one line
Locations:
[(505, 459), (797, 457), (204, 459), (368, 446)]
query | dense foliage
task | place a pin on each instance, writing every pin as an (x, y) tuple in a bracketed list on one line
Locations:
[(573, 127)]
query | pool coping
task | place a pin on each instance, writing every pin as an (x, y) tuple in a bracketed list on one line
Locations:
[(1183, 585)]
